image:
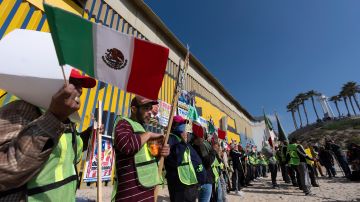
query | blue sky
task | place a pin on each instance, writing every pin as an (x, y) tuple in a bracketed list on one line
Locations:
[(265, 52)]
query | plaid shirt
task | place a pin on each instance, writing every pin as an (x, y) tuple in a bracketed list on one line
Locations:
[(26, 141)]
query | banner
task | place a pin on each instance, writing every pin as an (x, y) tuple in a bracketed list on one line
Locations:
[(107, 155), (182, 112), (203, 122), (164, 113)]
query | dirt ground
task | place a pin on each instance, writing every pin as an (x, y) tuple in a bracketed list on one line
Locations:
[(336, 189)]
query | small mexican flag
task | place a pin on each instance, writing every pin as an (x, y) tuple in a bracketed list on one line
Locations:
[(132, 64)]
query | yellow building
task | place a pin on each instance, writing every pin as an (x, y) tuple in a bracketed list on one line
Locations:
[(135, 18)]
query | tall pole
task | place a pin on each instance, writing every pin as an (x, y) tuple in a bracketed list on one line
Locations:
[(179, 85), (99, 151)]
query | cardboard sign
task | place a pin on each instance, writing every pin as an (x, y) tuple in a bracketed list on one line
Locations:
[(29, 67)]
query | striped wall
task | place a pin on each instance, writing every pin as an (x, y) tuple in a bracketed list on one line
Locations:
[(28, 14), (21, 14)]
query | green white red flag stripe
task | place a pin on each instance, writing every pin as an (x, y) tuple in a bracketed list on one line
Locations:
[(132, 64)]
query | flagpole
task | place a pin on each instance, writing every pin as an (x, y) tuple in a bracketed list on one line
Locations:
[(99, 151), (175, 99), (63, 72)]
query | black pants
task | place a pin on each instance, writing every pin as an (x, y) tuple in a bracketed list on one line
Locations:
[(236, 179), (183, 194), (285, 172), (249, 174), (295, 175), (330, 170), (273, 170)]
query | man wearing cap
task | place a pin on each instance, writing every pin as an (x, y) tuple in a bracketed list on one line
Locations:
[(136, 168), (183, 166), (39, 149)]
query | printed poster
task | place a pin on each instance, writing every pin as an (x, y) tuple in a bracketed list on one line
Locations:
[(164, 113), (107, 154)]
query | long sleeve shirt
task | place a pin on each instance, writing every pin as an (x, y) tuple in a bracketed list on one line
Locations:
[(26, 142), (127, 144)]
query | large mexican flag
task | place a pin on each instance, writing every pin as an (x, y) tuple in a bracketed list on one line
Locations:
[(132, 64)]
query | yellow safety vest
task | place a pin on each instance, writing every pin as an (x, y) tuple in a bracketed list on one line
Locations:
[(186, 171), (308, 152), (145, 164), (57, 180), (294, 157)]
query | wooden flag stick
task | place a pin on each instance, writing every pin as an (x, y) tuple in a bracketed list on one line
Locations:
[(174, 103), (63, 72), (99, 161)]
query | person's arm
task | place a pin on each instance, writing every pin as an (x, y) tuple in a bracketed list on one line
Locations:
[(126, 141), (26, 141), (129, 143), (301, 152)]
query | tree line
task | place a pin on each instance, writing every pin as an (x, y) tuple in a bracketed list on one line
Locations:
[(347, 95)]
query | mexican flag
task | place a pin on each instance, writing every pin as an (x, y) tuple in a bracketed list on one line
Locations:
[(132, 64), (281, 131)]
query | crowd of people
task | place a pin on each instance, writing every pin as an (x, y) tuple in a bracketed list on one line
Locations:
[(39, 150)]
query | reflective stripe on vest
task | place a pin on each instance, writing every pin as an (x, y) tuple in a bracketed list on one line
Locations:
[(252, 159), (214, 167), (294, 157), (58, 178), (186, 171), (145, 164)]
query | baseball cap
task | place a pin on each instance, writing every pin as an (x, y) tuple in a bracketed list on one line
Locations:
[(87, 82), (140, 100), (179, 119)]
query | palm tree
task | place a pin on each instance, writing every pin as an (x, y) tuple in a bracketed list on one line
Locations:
[(311, 94), (353, 88), (336, 99), (347, 91), (291, 108), (302, 97), (296, 103), (344, 96)]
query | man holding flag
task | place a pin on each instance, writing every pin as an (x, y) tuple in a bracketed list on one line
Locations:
[(40, 149), (136, 168)]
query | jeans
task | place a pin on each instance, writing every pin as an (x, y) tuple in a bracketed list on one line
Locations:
[(344, 165), (304, 177), (205, 193), (220, 194)]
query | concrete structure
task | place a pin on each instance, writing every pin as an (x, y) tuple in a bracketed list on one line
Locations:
[(324, 102), (134, 17)]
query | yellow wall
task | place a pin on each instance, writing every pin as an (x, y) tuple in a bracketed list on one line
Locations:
[(210, 111)]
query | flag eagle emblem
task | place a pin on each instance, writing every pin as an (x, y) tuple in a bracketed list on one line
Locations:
[(114, 58)]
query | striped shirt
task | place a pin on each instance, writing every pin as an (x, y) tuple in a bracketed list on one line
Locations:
[(127, 144)]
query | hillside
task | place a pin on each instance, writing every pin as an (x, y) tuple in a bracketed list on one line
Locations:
[(342, 131)]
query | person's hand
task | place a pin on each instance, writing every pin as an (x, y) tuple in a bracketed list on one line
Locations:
[(155, 136), (63, 103), (165, 150)]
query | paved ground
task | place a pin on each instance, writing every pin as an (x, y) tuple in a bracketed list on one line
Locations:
[(337, 189)]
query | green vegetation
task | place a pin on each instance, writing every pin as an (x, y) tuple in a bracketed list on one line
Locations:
[(343, 124)]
